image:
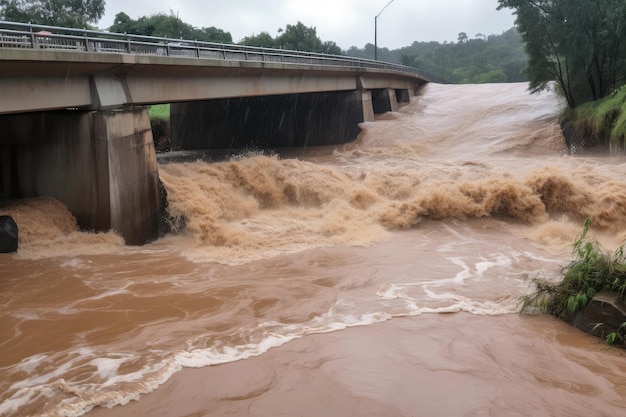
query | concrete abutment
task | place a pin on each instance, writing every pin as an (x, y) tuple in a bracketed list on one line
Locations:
[(101, 165)]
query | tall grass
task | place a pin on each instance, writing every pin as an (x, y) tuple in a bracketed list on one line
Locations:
[(160, 124), (592, 271), (604, 118)]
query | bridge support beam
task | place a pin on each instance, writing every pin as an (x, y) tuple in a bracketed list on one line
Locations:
[(309, 119), (101, 165)]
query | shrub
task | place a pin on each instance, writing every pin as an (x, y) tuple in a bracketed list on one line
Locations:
[(593, 270)]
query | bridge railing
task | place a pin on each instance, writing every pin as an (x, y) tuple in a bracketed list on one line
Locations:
[(23, 35)]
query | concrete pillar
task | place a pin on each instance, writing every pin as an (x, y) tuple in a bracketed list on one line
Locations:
[(101, 165), (384, 100), (310, 119), (133, 177), (368, 107)]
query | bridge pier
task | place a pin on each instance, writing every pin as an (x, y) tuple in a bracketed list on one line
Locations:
[(308, 119), (101, 165)]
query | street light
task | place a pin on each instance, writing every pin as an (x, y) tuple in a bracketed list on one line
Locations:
[(376, 31)]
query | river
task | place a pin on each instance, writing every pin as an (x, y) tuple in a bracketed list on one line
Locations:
[(377, 278)]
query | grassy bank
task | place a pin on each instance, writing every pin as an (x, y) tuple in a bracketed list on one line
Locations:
[(159, 112), (603, 122), (592, 271), (160, 122)]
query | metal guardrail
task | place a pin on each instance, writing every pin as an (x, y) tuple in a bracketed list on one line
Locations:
[(23, 35)]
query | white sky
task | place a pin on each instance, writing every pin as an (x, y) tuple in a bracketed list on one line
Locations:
[(347, 22)]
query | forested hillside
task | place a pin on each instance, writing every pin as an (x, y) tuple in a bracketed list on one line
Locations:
[(483, 59)]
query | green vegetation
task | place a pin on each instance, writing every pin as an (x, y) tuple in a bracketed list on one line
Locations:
[(296, 37), (591, 272), (167, 26), (605, 118), (484, 59), (160, 123), (160, 112), (67, 13), (580, 44)]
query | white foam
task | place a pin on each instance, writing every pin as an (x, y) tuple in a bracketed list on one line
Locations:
[(461, 276), (107, 367), (198, 358), (461, 303), (70, 309), (500, 262)]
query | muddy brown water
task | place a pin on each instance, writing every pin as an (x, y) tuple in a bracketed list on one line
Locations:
[(378, 278)]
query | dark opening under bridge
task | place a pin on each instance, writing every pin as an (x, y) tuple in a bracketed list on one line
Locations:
[(74, 126)]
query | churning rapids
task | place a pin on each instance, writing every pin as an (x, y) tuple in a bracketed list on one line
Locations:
[(378, 278)]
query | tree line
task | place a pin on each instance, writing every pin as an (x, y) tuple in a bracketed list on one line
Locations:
[(167, 26), (483, 59)]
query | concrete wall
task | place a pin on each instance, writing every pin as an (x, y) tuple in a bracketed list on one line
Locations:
[(273, 121), (101, 165)]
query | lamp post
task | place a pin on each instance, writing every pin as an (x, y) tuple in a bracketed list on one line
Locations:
[(376, 31)]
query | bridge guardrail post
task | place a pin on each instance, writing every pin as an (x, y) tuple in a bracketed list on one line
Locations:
[(33, 38), (87, 45)]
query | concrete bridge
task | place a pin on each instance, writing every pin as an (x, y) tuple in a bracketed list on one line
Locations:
[(74, 126)]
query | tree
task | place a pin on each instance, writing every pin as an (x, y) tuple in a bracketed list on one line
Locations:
[(66, 13), (262, 40), (580, 44), (167, 26), (296, 37), (462, 37), (330, 47), (299, 37)]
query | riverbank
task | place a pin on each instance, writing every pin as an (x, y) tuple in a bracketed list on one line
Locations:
[(597, 126), (590, 295)]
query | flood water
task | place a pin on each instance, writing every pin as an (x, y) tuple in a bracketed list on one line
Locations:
[(378, 278)]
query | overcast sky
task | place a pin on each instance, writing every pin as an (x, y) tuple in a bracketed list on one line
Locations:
[(346, 22)]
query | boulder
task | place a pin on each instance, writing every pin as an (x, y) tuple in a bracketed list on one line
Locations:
[(8, 234), (604, 315)]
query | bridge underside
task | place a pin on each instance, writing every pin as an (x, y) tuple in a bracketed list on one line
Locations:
[(290, 120)]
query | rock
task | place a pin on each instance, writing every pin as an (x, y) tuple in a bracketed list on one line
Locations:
[(583, 140), (604, 315), (8, 234)]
